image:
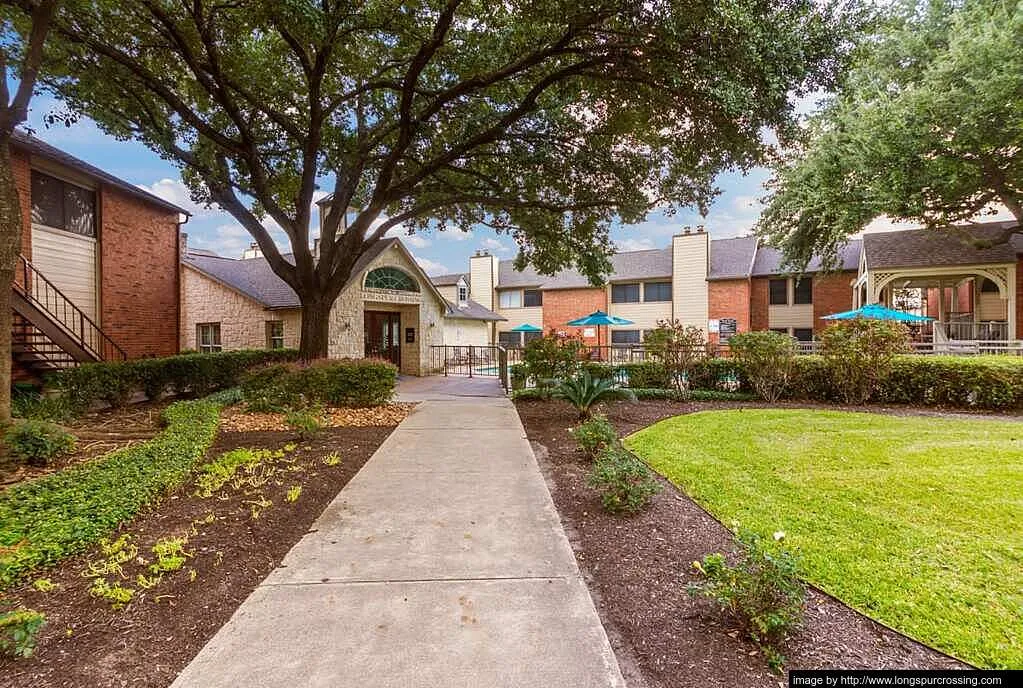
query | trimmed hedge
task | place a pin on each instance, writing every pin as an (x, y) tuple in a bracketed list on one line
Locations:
[(115, 382), (64, 513), (346, 382)]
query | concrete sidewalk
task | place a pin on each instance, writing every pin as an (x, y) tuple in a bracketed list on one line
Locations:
[(441, 564)]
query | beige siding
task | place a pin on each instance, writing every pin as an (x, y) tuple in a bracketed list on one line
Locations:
[(461, 332), (993, 306), (242, 320), (800, 315), (449, 293), (520, 316), (689, 279), (69, 262), (644, 315), (483, 280)]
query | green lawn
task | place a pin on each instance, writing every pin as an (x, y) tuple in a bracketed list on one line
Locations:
[(917, 522)]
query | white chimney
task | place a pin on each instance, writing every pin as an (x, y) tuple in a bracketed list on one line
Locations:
[(253, 251)]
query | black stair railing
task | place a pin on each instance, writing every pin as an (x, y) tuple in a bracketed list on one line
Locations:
[(45, 295)]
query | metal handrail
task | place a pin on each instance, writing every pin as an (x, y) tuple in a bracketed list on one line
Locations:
[(66, 314)]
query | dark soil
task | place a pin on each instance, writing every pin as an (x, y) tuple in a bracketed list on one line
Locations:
[(86, 643), (638, 568)]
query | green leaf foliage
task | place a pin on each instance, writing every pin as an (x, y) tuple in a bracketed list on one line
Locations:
[(624, 482), (45, 520), (18, 630), (583, 390), (347, 382), (37, 441), (927, 127)]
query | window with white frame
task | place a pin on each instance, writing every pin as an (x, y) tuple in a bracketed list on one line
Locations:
[(275, 334), (463, 293), (511, 299), (207, 336)]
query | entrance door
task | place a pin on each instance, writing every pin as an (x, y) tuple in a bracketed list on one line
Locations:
[(383, 336)]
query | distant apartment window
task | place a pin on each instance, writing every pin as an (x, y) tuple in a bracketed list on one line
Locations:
[(779, 292), (532, 298), (463, 293), (509, 339), (803, 334), (625, 336), (803, 292), (511, 299), (657, 291), (60, 205), (625, 293), (527, 337), (275, 334), (208, 337)]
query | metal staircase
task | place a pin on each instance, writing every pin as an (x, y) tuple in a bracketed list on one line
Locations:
[(49, 331)]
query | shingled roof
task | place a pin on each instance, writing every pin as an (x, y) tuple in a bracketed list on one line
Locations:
[(731, 258), (627, 265), (770, 261), (448, 280), (34, 146), (934, 247), (254, 278), (470, 310)]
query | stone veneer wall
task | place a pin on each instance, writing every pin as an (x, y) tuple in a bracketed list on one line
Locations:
[(242, 320), (422, 310)]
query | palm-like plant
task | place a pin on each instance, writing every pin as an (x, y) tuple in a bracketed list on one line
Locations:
[(583, 391)]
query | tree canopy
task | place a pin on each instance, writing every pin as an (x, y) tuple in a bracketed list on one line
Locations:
[(545, 119), (927, 127)]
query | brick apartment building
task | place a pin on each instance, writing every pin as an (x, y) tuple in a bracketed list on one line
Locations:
[(735, 285), (99, 274)]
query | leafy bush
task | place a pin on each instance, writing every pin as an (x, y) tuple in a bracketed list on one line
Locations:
[(45, 520), (198, 374), (38, 441), (595, 434), (550, 358), (625, 483), (18, 630), (991, 382), (582, 391), (679, 348), (860, 354), (347, 382), (306, 422), (646, 374), (272, 389), (767, 359), (762, 589), (31, 404)]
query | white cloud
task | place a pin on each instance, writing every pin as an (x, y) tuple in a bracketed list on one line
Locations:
[(494, 245), (174, 191), (996, 212), (634, 244), (455, 235), (431, 267)]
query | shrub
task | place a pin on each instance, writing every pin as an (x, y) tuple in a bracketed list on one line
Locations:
[(63, 513), (860, 354), (550, 358), (18, 630), (351, 382), (306, 422), (767, 359), (37, 441), (625, 483), (990, 382), (646, 374), (272, 388), (582, 391), (30, 404), (762, 589), (595, 434), (198, 374), (678, 348)]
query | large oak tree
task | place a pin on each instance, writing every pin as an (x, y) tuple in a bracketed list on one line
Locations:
[(928, 127), (545, 118)]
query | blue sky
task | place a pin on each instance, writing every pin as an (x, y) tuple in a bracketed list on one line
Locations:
[(733, 214)]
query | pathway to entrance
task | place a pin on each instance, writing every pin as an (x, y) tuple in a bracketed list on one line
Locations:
[(442, 564)]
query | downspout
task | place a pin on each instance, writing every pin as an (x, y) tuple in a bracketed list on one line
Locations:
[(178, 283)]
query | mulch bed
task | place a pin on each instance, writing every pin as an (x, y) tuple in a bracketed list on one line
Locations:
[(97, 433), (86, 643), (240, 419), (638, 568)]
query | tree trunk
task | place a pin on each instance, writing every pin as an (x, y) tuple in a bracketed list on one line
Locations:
[(315, 327), (10, 247)]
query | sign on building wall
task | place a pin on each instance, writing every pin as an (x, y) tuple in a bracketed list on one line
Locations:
[(727, 327)]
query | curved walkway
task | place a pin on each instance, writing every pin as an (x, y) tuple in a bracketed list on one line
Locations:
[(441, 564)]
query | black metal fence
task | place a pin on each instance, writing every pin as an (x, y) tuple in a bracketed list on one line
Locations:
[(470, 361)]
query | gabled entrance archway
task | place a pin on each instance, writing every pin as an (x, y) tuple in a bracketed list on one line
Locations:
[(383, 336)]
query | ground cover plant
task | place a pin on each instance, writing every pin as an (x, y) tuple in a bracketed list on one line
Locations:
[(44, 520), (912, 520)]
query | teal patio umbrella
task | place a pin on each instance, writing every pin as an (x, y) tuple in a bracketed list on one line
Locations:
[(527, 328), (876, 311), (598, 319)]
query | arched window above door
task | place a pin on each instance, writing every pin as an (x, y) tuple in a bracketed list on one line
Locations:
[(391, 278)]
